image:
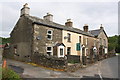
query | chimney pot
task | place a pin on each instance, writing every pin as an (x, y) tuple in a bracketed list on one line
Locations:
[(25, 10), (101, 27), (48, 17), (26, 5), (69, 23), (85, 28)]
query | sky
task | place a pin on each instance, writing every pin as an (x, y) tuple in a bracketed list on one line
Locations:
[(92, 13)]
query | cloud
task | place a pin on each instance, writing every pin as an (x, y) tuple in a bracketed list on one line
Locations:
[(92, 13)]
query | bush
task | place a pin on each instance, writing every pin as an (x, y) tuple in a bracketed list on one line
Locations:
[(8, 74)]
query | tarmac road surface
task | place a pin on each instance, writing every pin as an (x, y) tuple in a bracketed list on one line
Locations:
[(107, 68)]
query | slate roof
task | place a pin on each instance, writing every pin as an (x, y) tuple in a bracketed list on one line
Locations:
[(40, 21), (95, 32)]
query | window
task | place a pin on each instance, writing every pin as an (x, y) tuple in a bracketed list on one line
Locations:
[(100, 41), (79, 39), (86, 41), (104, 42), (68, 50), (61, 51), (15, 49), (49, 34), (94, 42), (69, 37), (49, 51)]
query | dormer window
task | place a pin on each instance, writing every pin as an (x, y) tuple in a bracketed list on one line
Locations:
[(49, 34)]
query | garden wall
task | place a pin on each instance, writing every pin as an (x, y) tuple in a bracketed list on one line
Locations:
[(49, 61), (73, 58)]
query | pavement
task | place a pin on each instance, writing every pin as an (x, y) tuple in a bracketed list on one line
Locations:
[(107, 68)]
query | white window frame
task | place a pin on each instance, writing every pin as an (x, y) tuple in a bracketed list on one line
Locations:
[(49, 34), (50, 50)]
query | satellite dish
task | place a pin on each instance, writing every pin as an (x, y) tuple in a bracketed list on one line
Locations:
[(65, 37), (38, 37)]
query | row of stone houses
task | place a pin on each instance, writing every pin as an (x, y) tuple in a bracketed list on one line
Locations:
[(44, 36)]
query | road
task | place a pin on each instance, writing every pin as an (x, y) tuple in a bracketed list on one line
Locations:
[(107, 68)]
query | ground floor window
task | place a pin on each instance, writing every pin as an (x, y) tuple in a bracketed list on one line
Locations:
[(49, 50), (68, 50), (61, 51)]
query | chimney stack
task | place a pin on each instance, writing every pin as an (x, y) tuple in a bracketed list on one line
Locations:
[(85, 28), (69, 23), (48, 17), (25, 10), (101, 27)]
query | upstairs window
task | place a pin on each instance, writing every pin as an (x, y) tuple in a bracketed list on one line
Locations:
[(69, 37), (79, 39), (95, 42), (100, 41), (104, 42), (49, 51), (49, 34)]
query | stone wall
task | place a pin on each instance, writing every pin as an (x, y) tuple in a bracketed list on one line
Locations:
[(73, 58), (49, 61), (21, 38)]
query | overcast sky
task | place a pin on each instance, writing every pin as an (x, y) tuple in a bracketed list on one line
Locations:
[(91, 13)]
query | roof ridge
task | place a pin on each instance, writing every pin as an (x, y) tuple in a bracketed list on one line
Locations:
[(57, 25), (95, 30)]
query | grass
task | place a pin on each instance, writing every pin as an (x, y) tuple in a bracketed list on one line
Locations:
[(8, 74)]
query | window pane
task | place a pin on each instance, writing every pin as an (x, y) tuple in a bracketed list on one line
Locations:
[(68, 50), (61, 51), (49, 36), (69, 37), (79, 39), (49, 32), (49, 48)]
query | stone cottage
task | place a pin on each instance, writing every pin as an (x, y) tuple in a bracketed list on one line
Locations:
[(44, 36)]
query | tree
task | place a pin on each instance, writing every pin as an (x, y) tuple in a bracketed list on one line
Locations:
[(114, 43)]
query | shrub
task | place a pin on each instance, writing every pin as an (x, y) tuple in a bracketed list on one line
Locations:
[(8, 74)]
